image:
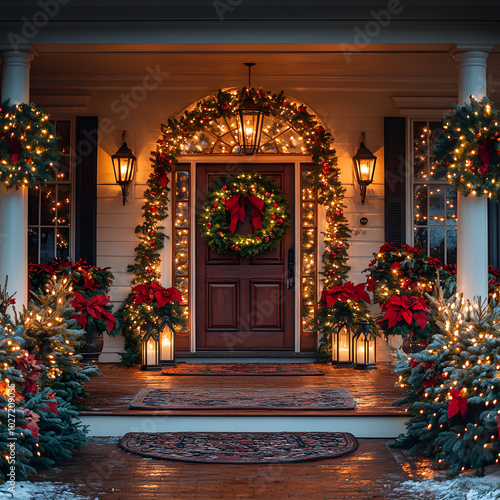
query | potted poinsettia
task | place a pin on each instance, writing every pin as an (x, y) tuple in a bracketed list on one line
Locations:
[(408, 316), (150, 302), (342, 303)]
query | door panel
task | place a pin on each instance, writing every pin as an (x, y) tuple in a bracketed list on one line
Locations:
[(243, 304)]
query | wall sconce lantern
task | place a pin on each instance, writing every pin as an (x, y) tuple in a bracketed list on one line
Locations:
[(250, 120), (150, 349), (167, 342), (364, 347), (124, 166), (342, 342), (364, 163)]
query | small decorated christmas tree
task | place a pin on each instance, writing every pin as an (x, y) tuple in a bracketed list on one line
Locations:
[(453, 388)]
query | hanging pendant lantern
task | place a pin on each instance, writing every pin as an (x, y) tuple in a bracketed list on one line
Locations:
[(250, 120)]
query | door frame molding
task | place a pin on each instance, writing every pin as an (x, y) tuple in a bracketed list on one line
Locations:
[(166, 257)]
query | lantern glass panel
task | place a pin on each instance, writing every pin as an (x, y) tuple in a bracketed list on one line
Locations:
[(166, 344), (341, 346)]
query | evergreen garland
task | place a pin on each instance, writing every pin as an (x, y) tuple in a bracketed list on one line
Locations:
[(324, 178), (468, 150), (214, 226), (28, 146)]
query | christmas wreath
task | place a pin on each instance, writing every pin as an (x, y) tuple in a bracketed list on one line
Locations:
[(225, 205), (468, 150), (28, 146)]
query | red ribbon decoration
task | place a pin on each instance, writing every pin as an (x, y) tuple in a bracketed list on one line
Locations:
[(235, 205), (94, 307), (484, 151), (458, 403), (161, 175), (155, 293)]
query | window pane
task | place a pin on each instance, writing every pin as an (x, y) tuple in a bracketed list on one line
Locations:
[(436, 240), (451, 246), (33, 244), (63, 169), (63, 243), (182, 284), (181, 251), (308, 214), (420, 238), (47, 244), (63, 205), (308, 249), (181, 185), (33, 200), (420, 138), (48, 206), (436, 205), (420, 205), (63, 130), (181, 214), (451, 206)]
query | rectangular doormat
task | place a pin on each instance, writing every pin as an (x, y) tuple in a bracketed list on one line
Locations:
[(315, 398), (239, 447), (240, 369)]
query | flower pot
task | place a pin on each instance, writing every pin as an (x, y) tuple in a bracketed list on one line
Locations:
[(90, 351), (411, 346)]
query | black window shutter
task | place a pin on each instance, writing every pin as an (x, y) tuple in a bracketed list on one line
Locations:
[(86, 188), (494, 233), (395, 179)]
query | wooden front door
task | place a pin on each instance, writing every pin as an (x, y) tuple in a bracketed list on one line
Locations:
[(244, 304)]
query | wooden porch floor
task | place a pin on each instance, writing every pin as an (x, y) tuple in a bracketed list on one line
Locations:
[(103, 471), (111, 394)]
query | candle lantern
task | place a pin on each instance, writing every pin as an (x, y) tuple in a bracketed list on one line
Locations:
[(150, 349), (167, 342), (364, 347), (342, 342)]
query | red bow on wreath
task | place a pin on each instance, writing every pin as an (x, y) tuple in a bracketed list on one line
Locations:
[(457, 404), (94, 307), (235, 205), (484, 151)]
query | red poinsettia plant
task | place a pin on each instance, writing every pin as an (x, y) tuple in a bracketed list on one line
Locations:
[(152, 302), (344, 293), (93, 314), (405, 315)]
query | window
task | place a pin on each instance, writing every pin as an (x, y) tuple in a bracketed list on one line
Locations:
[(49, 208), (434, 209)]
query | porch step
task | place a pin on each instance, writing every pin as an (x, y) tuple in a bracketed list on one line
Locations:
[(361, 426), (246, 357)]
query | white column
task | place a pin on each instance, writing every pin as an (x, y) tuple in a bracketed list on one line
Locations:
[(13, 203), (472, 212)]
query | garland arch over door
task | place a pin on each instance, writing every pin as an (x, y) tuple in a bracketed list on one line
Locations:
[(180, 135)]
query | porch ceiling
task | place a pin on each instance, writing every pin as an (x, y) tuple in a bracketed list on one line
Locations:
[(419, 69)]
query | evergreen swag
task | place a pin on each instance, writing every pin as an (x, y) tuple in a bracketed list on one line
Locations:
[(28, 146), (323, 177), (453, 389), (268, 209), (468, 150)]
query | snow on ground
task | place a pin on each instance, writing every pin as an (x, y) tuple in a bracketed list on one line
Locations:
[(26, 490), (459, 488)]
